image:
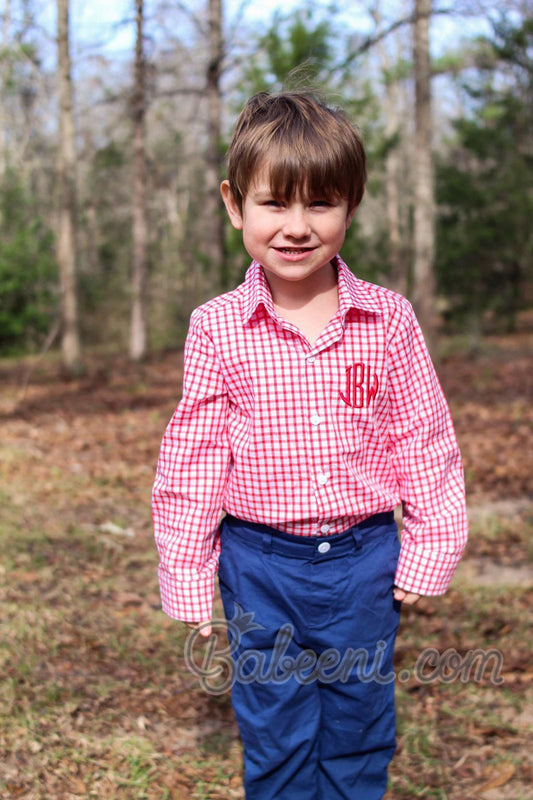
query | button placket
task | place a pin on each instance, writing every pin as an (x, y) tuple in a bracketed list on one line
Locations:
[(318, 432)]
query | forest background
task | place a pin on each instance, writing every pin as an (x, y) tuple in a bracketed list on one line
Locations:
[(113, 131), (111, 225)]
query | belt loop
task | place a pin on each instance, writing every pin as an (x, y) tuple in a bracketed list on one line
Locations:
[(267, 543), (357, 538)]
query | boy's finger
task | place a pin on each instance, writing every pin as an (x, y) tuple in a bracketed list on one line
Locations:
[(409, 598), (204, 628)]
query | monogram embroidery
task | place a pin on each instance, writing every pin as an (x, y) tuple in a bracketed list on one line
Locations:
[(361, 386)]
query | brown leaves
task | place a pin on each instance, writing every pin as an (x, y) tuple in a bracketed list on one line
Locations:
[(96, 698), (498, 775), (490, 399)]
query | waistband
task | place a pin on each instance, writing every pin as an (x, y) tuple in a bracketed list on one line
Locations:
[(271, 540)]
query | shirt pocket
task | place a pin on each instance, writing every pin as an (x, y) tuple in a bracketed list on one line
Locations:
[(356, 429)]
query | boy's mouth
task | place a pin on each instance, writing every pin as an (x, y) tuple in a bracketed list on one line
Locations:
[(295, 250)]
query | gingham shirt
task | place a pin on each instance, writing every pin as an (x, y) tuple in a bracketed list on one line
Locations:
[(309, 439)]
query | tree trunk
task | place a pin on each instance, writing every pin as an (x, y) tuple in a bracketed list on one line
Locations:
[(91, 235), (66, 169), (138, 334), (214, 244), (424, 192), (398, 272), (398, 269), (4, 77)]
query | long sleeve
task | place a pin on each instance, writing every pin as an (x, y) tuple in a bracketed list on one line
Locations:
[(192, 471), (427, 463)]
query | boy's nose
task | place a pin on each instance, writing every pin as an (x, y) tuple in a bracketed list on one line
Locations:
[(296, 224)]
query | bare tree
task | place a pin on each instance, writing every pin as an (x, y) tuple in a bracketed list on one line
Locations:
[(4, 76), (214, 246), (398, 272), (66, 173), (138, 335), (424, 191)]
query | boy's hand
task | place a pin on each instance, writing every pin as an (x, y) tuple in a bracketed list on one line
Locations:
[(205, 630), (409, 598)]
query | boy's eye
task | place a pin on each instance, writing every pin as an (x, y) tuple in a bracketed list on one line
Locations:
[(320, 203), (275, 203)]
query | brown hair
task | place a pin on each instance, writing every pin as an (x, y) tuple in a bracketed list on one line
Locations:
[(308, 148)]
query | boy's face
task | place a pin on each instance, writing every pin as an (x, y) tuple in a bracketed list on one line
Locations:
[(291, 240)]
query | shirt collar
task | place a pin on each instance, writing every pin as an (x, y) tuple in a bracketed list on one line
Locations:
[(353, 292)]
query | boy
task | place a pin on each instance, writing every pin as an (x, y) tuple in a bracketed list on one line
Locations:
[(310, 409)]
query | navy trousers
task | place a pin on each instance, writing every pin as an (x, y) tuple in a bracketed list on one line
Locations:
[(312, 623)]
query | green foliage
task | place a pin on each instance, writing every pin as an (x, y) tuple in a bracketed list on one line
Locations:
[(109, 157), (365, 255), (104, 275), (28, 270), (303, 46), (295, 50), (484, 241), (513, 44), (448, 63), (398, 71)]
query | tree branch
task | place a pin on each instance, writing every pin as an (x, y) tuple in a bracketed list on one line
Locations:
[(177, 4), (370, 41)]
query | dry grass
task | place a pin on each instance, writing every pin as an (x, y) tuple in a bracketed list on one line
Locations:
[(96, 700)]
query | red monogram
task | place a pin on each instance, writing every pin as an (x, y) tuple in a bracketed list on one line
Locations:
[(361, 386)]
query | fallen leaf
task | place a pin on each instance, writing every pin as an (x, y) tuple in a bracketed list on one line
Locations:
[(78, 787), (500, 774), (15, 789)]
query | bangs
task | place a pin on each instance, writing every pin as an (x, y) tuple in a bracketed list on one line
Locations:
[(311, 175), (301, 149)]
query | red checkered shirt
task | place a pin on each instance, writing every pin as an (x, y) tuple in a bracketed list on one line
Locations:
[(309, 439)]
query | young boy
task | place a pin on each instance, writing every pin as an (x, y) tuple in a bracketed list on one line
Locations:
[(310, 409)]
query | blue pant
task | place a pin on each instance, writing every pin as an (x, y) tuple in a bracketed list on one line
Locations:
[(314, 701)]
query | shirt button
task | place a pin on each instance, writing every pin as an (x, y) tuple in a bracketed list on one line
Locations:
[(322, 479), (323, 547), (316, 419), (324, 528), (311, 359)]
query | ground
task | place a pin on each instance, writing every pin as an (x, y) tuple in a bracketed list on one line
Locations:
[(96, 700)]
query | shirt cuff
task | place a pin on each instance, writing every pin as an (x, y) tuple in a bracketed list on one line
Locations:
[(187, 601), (426, 572)]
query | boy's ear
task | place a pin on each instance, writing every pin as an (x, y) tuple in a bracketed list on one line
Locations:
[(349, 216), (232, 208)]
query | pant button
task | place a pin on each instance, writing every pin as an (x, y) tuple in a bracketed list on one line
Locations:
[(323, 547)]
